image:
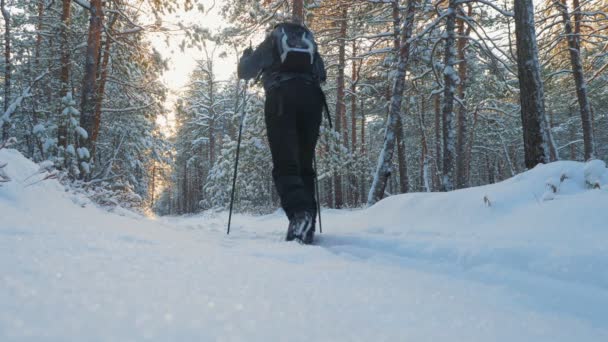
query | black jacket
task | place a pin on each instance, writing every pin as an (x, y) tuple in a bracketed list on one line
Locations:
[(265, 59)]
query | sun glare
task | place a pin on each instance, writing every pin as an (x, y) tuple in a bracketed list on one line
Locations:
[(181, 63)]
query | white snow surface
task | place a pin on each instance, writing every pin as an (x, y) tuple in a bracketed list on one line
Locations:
[(414, 267)]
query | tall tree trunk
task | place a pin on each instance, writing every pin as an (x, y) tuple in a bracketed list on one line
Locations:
[(101, 88), (490, 168), (40, 13), (298, 11), (404, 182), (424, 151), (7, 66), (353, 123), (384, 167), (403, 178), (572, 133), (353, 99), (64, 76), (329, 192), (213, 117), (574, 47), (461, 135), (89, 83), (449, 85), (363, 180), (362, 146), (469, 152), (340, 101), (438, 154), (38, 33), (153, 184), (538, 145)]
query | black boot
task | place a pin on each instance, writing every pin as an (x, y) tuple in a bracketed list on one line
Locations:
[(309, 235), (301, 227)]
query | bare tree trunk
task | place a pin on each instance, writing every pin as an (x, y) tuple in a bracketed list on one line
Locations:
[(340, 101), (403, 178), (353, 123), (424, 152), (38, 32), (329, 199), (298, 11), (102, 87), (592, 119), (362, 147), (404, 183), (7, 66), (65, 67), (490, 170), (89, 83), (461, 136), (438, 154), (36, 140), (353, 100), (538, 145), (384, 167), (450, 77), (469, 152), (572, 133), (153, 184), (574, 47), (213, 117)]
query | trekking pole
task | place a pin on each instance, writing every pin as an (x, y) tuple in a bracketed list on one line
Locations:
[(314, 159), (238, 148)]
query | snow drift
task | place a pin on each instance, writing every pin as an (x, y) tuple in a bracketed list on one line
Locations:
[(522, 260)]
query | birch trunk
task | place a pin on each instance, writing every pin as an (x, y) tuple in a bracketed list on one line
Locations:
[(384, 167)]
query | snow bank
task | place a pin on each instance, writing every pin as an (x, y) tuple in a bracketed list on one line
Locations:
[(521, 260), (23, 191), (552, 220)]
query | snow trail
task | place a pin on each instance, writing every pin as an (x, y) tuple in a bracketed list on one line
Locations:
[(422, 267)]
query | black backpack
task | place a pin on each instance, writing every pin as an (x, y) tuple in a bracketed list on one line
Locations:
[(296, 48)]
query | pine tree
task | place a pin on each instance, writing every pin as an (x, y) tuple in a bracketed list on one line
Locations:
[(538, 145)]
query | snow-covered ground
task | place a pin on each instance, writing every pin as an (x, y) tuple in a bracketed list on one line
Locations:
[(512, 261)]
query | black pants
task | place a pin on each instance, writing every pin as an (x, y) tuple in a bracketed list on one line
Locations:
[(293, 116)]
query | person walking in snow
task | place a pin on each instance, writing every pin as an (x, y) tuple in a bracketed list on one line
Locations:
[(292, 71)]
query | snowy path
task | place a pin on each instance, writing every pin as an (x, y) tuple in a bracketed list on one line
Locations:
[(80, 274)]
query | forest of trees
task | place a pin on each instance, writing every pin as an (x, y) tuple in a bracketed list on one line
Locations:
[(425, 95)]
